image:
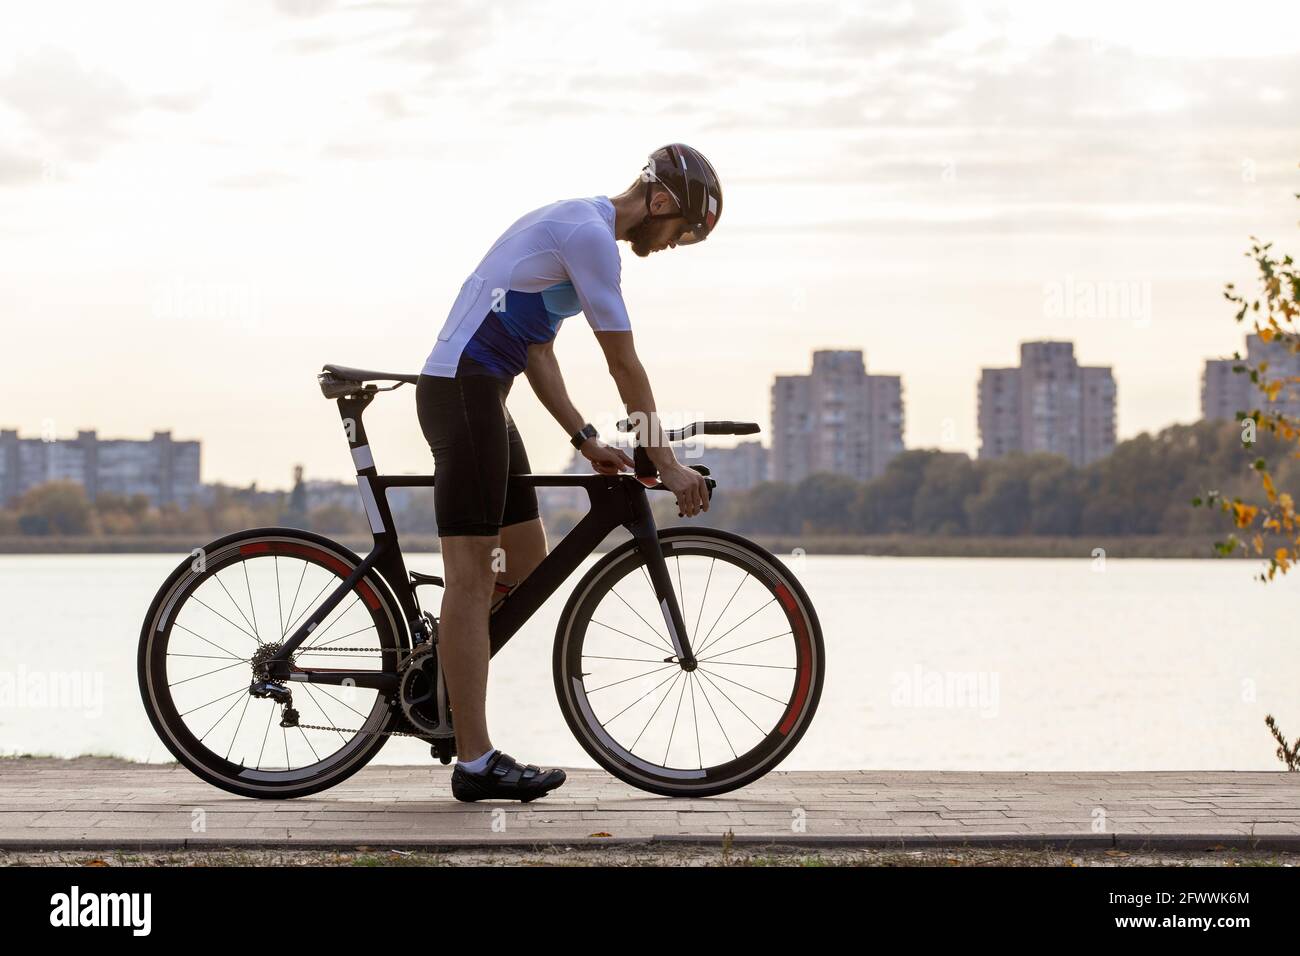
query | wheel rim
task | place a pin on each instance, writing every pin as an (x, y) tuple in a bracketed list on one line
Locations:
[(249, 595), (743, 706)]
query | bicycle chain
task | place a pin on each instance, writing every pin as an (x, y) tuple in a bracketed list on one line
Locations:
[(344, 730), (372, 733)]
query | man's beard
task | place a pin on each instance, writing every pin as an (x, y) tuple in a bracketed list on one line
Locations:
[(639, 236)]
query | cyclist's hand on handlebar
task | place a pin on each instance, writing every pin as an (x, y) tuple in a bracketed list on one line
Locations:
[(689, 486), (603, 458)]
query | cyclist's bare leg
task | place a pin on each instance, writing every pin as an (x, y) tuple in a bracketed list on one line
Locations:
[(523, 545), (463, 636)]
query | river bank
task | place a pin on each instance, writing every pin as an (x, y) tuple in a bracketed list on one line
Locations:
[(911, 546)]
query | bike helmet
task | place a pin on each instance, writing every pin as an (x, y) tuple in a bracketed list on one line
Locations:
[(689, 178)]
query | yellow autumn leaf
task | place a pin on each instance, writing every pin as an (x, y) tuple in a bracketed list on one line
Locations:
[(1266, 335), (1244, 513), (1269, 489)]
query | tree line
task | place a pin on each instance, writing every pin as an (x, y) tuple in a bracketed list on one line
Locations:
[(1145, 487)]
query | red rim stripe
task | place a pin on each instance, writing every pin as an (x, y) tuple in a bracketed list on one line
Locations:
[(323, 558), (800, 628)]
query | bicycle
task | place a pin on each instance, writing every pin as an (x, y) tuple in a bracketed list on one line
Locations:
[(613, 700)]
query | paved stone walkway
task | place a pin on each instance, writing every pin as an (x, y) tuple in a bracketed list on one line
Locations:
[(100, 803)]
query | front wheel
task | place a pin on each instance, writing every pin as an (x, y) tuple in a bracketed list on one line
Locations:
[(658, 726)]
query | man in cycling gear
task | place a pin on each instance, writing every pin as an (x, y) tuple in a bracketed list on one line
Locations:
[(549, 265)]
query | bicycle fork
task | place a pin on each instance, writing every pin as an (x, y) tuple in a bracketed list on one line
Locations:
[(646, 535)]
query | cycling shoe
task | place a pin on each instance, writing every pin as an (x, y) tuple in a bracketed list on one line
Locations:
[(504, 778)]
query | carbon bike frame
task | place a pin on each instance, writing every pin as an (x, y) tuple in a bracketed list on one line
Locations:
[(616, 500)]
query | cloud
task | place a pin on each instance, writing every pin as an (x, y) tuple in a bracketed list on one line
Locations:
[(303, 8), (76, 110), (17, 169), (260, 179)]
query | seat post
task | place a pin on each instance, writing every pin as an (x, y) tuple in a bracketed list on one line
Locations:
[(351, 408)]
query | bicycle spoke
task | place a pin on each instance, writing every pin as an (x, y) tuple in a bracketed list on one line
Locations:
[(663, 640), (224, 618), (233, 705), (672, 676), (752, 690), (739, 585), (695, 715), (771, 667), (279, 605), (235, 736), (593, 690), (672, 730), (655, 711), (208, 674), (743, 646), (285, 630), (626, 634), (252, 607), (216, 576), (265, 734), (229, 652), (338, 700), (324, 716), (306, 741), (733, 627), (320, 631), (215, 700), (718, 721), (728, 699), (310, 605), (703, 600)]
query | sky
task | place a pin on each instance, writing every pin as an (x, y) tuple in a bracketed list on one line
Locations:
[(202, 203)]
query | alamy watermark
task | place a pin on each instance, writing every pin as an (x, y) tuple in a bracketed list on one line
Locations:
[(921, 687), (54, 690), (1127, 300)]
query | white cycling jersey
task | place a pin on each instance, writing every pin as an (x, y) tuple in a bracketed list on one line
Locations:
[(554, 262)]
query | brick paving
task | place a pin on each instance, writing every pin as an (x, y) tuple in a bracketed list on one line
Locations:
[(97, 803)]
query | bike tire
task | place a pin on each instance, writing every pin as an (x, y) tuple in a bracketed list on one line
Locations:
[(805, 685), (156, 691)]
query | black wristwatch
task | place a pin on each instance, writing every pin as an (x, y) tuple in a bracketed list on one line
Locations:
[(587, 431)]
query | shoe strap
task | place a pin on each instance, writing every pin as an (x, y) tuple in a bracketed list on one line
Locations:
[(510, 772)]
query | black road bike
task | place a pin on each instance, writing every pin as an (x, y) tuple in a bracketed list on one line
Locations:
[(687, 662)]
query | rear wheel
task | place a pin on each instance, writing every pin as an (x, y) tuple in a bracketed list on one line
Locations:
[(667, 730), (234, 601)]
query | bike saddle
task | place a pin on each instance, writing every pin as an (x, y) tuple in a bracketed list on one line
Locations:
[(365, 375)]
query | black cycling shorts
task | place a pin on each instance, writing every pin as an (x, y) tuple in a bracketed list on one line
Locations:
[(475, 449)]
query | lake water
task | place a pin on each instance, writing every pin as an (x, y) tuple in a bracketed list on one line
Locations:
[(933, 663)]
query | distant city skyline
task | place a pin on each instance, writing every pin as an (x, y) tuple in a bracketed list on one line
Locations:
[(1224, 392), (192, 223), (1048, 403), (837, 418)]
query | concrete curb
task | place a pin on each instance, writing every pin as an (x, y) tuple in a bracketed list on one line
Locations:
[(1166, 842)]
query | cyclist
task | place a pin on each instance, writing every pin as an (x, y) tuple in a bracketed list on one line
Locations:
[(552, 263)]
